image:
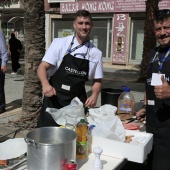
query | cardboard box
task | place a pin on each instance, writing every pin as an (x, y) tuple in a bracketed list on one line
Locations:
[(133, 152)]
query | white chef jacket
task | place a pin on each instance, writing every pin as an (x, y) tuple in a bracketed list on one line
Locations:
[(55, 53)]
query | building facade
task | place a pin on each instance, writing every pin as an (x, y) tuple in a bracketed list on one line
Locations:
[(118, 25)]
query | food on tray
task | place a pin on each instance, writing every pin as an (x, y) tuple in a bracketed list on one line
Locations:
[(131, 126), (128, 139), (3, 162)]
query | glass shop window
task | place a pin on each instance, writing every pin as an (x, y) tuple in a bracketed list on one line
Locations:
[(136, 41), (100, 35)]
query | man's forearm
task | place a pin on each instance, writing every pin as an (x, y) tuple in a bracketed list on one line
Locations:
[(42, 74), (145, 98), (96, 87)]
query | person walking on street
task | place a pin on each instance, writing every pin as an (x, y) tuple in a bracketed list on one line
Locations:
[(157, 95), (3, 62), (15, 47), (70, 62)]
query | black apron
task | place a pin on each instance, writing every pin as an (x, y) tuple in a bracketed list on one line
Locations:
[(69, 82), (158, 118)]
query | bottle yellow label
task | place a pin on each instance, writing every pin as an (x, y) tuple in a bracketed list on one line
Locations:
[(81, 149)]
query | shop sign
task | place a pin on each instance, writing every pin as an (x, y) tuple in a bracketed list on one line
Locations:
[(164, 4), (109, 6), (129, 5), (120, 38), (91, 6), (56, 1)]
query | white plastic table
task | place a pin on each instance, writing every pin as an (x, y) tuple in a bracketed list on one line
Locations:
[(109, 163)]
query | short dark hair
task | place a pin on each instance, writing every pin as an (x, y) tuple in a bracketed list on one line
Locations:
[(160, 15), (12, 35), (83, 13)]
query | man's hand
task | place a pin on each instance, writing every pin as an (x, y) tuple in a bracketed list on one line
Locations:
[(163, 91), (3, 69), (48, 90), (141, 114), (91, 101)]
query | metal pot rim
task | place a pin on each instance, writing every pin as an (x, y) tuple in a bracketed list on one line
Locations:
[(30, 140)]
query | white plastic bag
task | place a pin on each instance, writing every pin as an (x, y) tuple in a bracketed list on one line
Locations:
[(107, 124), (97, 115), (110, 128), (70, 114)]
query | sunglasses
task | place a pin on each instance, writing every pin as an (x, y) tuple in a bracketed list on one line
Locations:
[(164, 13)]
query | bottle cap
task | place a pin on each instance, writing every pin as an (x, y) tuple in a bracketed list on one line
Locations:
[(83, 121), (126, 89)]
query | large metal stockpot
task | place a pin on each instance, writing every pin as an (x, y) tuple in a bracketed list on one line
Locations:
[(48, 148)]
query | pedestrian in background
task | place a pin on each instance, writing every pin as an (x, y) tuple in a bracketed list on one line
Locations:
[(15, 47), (70, 62), (3, 69), (157, 96)]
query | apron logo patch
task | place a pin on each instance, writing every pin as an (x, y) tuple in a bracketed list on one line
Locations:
[(151, 102), (75, 72), (65, 87)]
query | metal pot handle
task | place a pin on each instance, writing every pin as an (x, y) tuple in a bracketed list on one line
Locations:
[(31, 142)]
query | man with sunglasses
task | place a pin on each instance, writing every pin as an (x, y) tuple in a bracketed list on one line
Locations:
[(157, 95), (69, 63)]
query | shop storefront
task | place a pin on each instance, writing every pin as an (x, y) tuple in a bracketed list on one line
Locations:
[(118, 26), (11, 18)]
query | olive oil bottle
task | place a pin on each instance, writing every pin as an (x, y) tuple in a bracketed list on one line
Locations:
[(81, 144)]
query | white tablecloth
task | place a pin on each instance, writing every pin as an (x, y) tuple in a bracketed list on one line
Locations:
[(109, 163)]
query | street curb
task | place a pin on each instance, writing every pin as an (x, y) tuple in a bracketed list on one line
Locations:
[(12, 115)]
